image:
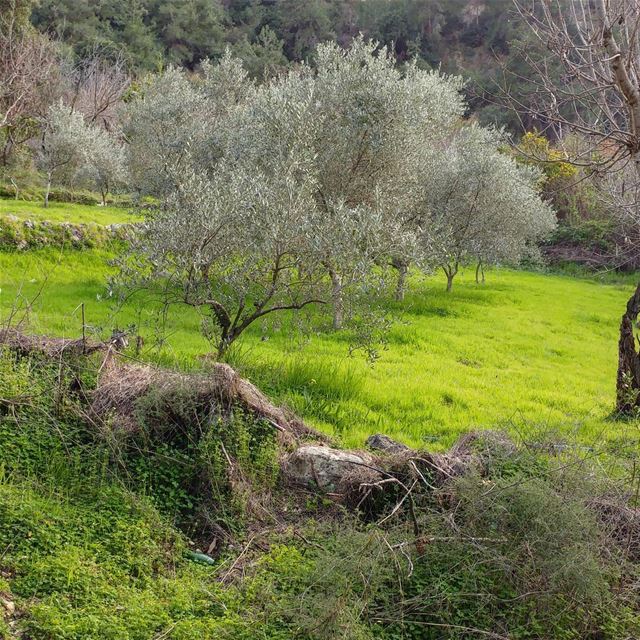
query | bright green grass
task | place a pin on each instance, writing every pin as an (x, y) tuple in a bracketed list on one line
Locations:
[(65, 212), (524, 351)]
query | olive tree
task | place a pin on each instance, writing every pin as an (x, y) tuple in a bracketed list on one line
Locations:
[(64, 145), (373, 124), (230, 234), (179, 121), (480, 203), (364, 127), (105, 162), (229, 248), (285, 194), (161, 125)]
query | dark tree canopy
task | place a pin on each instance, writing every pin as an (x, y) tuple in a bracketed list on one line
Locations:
[(459, 36)]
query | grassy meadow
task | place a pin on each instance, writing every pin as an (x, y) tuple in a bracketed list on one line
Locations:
[(101, 531), (523, 351), (65, 212)]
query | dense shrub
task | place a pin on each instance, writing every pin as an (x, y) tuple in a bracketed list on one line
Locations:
[(590, 234), (197, 463), (520, 557)]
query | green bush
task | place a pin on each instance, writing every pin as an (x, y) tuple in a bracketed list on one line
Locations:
[(518, 553), (590, 233), (197, 460)]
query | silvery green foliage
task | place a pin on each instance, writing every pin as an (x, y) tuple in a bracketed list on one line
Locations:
[(105, 162), (166, 130), (181, 122), (229, 233), (480, 203), (225, 85), (227, 245), (361, 127), (64, 145), (287, 193), (374, 125)]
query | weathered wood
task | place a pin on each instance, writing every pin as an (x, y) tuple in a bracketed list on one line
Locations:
[(628, 380)]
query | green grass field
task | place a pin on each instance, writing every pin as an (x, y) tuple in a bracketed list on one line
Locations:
[(524, 351), (65, 212)]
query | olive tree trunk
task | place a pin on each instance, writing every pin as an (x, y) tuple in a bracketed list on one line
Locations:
[(450, 270), (337, 299), (401, 284), (47, 190), (628, 382)]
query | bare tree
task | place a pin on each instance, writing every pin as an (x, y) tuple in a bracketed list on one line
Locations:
[(597, 44), (29, 70), (97, 85)]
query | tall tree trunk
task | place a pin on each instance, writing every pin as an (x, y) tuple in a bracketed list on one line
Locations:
[(479, 270), (628, 382), (4, 160), (401, 286), (337, 299), (227, 334)]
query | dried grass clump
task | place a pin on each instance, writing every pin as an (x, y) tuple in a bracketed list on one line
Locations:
[(50, 347), (621, 523), (121, 385)]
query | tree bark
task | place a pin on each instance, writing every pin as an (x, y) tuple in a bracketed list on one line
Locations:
[(450, 271), (223, 320), (479, 270), (401, 286), (628, 381), (337, 299), (47, 192), (5, 154), (449, 282)]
